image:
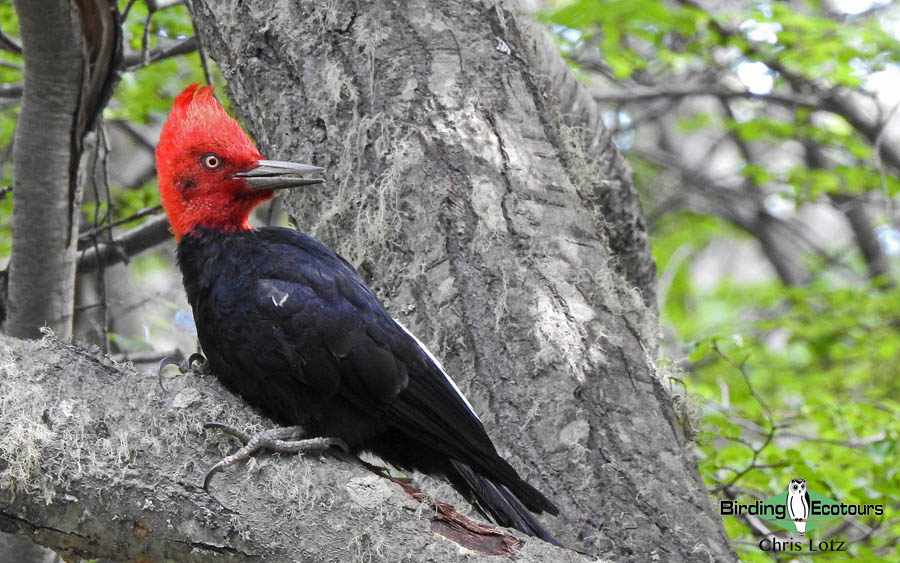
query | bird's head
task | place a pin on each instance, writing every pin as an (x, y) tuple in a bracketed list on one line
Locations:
[(210, 173)]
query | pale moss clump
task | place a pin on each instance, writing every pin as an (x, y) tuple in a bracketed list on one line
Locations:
[(23, 434), (337, 86), (375, 157)]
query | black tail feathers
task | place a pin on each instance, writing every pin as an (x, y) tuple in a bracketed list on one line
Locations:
[(498, 502)]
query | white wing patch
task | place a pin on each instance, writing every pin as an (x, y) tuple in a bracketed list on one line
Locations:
[(279, 297), (270, 289), (440, 367)]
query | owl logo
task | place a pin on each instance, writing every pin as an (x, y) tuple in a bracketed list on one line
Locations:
[(798, 504)]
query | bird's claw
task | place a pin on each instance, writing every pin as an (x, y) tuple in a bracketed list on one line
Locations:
[(196, 364), (281, 440), (202, 364)]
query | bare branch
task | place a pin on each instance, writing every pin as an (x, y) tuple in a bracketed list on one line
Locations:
[(127, 9), (137, 133), (7, 43), (145, 40), (135, 241), (646, 95), (11, 90), (140, 214), (134, 60)]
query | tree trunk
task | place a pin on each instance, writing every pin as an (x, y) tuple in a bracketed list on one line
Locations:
[(459, 190), (71, 50)]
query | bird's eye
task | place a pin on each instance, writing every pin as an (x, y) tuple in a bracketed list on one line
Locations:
[(211, 161)]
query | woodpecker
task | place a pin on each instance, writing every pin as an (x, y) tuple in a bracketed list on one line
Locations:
[(290, 326)]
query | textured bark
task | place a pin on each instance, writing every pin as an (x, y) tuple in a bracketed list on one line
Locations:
[(609, 195), (476, 210), (96, 461), (71, 49)]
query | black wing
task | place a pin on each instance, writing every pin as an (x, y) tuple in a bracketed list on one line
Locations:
[(381, 367)]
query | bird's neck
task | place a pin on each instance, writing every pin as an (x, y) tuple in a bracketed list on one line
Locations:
[(224, 213)]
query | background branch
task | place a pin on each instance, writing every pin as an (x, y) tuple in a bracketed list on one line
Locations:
[(138, 239)]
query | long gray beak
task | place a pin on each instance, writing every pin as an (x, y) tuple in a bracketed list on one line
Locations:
[(278, 175)]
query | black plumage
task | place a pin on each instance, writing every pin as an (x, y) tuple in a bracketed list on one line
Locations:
[(289, 325)]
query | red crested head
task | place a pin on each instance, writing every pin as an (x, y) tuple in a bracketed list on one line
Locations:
[(200, 149), (210, 173)]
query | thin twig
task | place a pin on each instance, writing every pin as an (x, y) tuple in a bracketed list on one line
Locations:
[(140, 214), (770, 434), (127, 9), (204, 62), (145, 40), (134, 60), (8, 149), (7, 43), (102, 144), (646, 95)]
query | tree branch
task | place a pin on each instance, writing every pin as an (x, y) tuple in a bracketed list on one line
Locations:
[(134, 60), (135, 241), (11, 90), (7, 43), (140, 214), (137, 133), (648, 94), (81, 435)]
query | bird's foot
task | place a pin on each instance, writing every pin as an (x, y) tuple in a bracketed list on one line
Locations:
[(195, 364), (282, 440)]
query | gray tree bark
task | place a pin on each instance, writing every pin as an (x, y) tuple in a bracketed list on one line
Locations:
[(71, 49)]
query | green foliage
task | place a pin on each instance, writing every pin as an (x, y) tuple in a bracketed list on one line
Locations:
[(791, 382), (820, 47), (822, 360), (622, 27), (663, 40)]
